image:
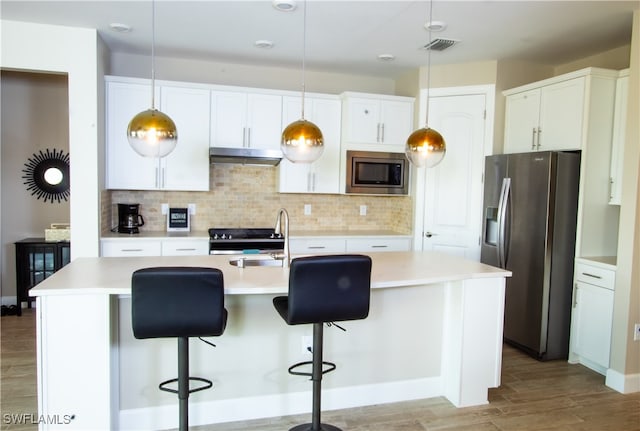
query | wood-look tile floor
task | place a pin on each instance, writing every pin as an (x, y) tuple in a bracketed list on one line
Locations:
[(541, 396)]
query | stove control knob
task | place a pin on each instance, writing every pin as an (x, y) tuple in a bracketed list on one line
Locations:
[(229, 237), (215, 236), (223, 236)]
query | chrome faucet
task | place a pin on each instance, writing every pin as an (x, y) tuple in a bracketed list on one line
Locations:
[(278, 231)]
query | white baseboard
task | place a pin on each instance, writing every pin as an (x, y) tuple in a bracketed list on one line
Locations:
[(240, 409), (623, 383)]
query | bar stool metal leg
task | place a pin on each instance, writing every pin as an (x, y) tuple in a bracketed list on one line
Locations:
[(183, 382)]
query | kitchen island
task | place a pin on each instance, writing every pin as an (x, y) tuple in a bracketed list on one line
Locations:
[(434, 329)]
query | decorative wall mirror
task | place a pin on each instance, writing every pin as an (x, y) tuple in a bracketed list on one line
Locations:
[(46, 175)]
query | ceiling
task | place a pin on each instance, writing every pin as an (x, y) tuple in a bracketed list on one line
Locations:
[(347, 36)]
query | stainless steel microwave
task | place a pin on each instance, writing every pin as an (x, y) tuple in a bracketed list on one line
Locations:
[(377, 173)]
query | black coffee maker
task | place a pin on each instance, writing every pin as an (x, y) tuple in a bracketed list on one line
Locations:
[(129, 219)]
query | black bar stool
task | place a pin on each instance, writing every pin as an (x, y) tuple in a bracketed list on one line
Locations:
[(324, 289), (178, 302)]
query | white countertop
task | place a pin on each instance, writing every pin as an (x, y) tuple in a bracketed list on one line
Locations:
[(156, 235), (203, 234), (605, 262), (112, 275)]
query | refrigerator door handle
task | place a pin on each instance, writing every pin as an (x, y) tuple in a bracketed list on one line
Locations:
[(502, 213)]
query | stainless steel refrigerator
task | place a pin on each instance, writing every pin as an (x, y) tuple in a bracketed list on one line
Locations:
[(530, 211)]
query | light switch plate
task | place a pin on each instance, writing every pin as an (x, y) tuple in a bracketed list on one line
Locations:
[(363, 210), (307, 209)]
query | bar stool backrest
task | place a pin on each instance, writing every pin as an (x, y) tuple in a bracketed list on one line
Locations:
[(329, 288), (177, 302)]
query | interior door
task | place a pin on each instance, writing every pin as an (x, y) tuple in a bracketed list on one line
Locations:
[(452, 217)]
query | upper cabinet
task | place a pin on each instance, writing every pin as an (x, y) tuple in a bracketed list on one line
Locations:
[(246, 119), (557, 113), (320, 176), (186, 167), (378, 120), (617, 145)]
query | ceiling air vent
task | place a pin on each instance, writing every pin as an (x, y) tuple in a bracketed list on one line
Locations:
[(439, 44)]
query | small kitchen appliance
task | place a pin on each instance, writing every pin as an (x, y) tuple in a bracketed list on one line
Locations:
[(129, 218), (178, 220)]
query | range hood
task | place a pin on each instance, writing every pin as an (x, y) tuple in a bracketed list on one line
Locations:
[(245, 156)]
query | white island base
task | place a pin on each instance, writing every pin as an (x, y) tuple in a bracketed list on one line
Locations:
[(434, 329)]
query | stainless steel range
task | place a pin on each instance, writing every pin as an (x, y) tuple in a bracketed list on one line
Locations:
[(245, 241)]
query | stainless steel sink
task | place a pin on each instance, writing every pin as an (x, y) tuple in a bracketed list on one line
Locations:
[(243, 262)]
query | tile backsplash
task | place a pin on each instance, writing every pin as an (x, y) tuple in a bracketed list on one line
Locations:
[(247, 196)]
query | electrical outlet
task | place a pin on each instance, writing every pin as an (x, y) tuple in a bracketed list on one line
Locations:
[(363, 210), (307, 342), (307, 209), (636, 332), (164, 209), (192, 209)]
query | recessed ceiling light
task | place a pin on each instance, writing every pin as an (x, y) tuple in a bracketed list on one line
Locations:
[(266, 44), (284, 5), (435, 25), (386, 57), (119, 27)]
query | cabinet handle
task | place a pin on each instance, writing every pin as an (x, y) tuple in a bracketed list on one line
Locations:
[(316, 247), (533, 138), (382, 140), (163, 177), (378, 133), (574, 299), (313, 182), (130, 249), (248, 136), (539, 134), (379, 246), (611, 188), (185, 249), (591, 275), (156, 182), (244, 136)]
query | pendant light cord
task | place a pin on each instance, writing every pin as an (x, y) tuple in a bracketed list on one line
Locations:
[(429, 62), (304, 52), (153, 54)]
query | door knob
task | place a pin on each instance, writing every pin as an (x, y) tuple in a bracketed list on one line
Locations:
[(429, 234)]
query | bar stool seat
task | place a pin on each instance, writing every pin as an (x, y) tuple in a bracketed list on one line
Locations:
[(324, 289), (178, 302)]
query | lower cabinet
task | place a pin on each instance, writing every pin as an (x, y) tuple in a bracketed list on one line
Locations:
[(154, 247), (592, 316), (302, 245), (37, 259)]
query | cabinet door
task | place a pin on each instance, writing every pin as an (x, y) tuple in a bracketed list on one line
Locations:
[(378, 244), (187, 167), (317, 245), (321, 176), (521, 122), (127, 247), (363, 120), (264, 121), (617, 145), (228, 119), (561, 115), (126, 169), (593, 320), (397, 122)]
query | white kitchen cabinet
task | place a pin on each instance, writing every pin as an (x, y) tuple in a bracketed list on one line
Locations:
[(126, 169), (377, 119), (185, 247), (378, 244), (558, 113), (185, 168), (131, 247), (321, 176), (592, 316), (245, 119), (618, 139), (120, 247), (306, 245), (545, 119)]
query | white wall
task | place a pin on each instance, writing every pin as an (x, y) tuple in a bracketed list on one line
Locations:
[(75, 51), (35, 117)]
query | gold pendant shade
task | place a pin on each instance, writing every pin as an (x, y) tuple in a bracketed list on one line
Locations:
[(302, 142), (152, 133), (425, 147)]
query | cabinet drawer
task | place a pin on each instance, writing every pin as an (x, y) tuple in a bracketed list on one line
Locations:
[(317, 245), (378, 244), (131, 248), (185, 248), (595, 275)]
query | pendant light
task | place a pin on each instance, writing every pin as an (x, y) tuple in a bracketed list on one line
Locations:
[(425, 146), (302, 141), (152, 133)]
